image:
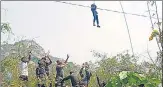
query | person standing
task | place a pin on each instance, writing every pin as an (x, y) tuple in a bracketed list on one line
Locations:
[(24, 67), (42, 71), (59, 71), (88, 74)]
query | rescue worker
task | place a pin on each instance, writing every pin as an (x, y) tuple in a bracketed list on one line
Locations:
[(24, 67), (59, 71), (41, 75), (73, 78), (86, 77), (43, 68)]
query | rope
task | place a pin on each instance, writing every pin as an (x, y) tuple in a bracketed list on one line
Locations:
[(127, 28), (106, 9)]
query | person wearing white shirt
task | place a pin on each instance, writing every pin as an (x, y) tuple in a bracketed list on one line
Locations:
[(24, 67)]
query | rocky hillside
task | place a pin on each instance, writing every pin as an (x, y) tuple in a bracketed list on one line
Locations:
[(21, 48)]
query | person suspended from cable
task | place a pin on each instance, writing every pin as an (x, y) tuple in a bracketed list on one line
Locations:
[(59, 71), (95, 15), (24, 67), (88, 74)]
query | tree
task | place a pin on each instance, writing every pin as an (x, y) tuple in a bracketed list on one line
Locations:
[(159, 33), (5, 28)]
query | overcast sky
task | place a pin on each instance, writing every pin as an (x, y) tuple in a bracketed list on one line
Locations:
[(63, 28)]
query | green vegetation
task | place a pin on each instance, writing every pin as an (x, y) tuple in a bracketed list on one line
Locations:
[(121, 70), (5, 27), (117, 71)]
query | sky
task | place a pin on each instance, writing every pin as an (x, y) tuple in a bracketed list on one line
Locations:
[(67, 29)]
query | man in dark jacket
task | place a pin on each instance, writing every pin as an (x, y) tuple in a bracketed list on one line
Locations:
[(41, 75), (73, 78), (45, 62), (43, 68)]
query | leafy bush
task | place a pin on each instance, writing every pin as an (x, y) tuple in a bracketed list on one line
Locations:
[(132, 79)]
